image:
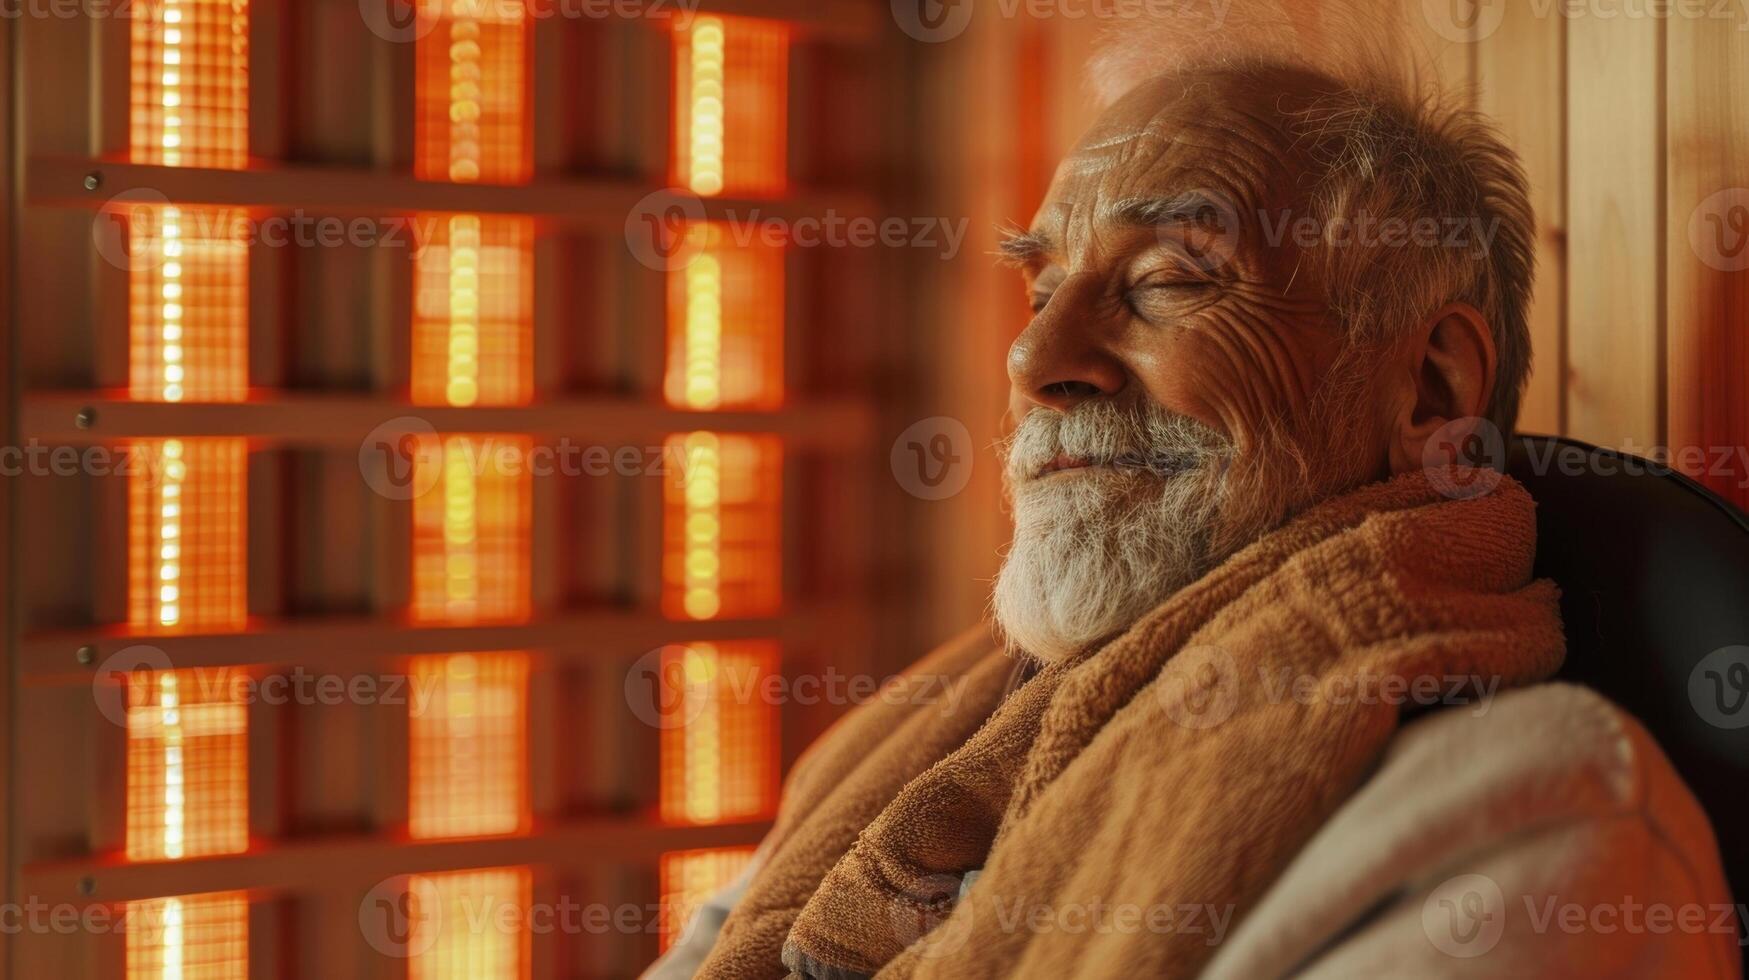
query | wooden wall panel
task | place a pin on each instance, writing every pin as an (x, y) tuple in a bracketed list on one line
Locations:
[(1615, 220), (1521, 83), (1707, 249)]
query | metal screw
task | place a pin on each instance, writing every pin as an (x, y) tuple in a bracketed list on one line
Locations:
[(86, 655), (93, 180), (86, 418), (87, 886)]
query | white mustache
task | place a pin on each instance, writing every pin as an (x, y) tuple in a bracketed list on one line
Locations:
[(1140, 436)]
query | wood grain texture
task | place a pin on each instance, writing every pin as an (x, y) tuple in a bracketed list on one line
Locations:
[(1615, 216), (1521, 84), (1707, 251)]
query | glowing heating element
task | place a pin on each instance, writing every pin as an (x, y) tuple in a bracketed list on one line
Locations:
[(731, 101), (188, 304), (468, 766), (722, 519), (186, 552), (470, 934), (473, 311), (690, 878), (190, 937), (719, 746), (190, 83), (188, 765), (725, 324), (471, 85), (471, 532)]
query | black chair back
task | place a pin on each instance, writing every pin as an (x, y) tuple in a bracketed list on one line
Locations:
[(1654, 575)]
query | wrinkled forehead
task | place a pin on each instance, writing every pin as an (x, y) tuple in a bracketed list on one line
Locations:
[(1175, 139)]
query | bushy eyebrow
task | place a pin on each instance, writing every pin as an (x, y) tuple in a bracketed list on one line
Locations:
[(1030, 249), (1024, 249), (1152, 211)]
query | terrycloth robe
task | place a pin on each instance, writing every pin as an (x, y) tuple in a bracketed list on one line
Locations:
[(1182, 765)]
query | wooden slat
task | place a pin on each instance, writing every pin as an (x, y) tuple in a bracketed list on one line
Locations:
[(349, 646), (342, 421), (1707, 241), (356, 863), (1521, 84), (602, 204), (1615, 217)]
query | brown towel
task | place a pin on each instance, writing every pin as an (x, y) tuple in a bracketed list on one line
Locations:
[(1167, 776)]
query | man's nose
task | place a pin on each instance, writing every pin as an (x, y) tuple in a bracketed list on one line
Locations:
[(1063, 357)]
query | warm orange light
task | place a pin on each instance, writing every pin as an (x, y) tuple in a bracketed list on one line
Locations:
[(188, 765), (690, 878), (722, 519), (731, 102), (478, 930), (190, 83), (473, 312), (188, 304), (725, 324), (471, 85), (186, 557), (471, 533), (468, 765), (189, 937), (720, 744)]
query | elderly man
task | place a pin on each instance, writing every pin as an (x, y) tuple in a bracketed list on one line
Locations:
[(1266, 697)]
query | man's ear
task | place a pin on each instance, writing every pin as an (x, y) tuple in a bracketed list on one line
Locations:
[(1450, 363)]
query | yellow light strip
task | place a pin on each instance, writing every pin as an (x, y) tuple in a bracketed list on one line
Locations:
[(704, 331), (170, 534), (704, 526), (707, 108), (464, 309)]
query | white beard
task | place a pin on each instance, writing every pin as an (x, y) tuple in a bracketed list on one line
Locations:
[(1095, 549)]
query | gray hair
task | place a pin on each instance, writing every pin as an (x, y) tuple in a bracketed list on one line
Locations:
[(1383, 144)]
